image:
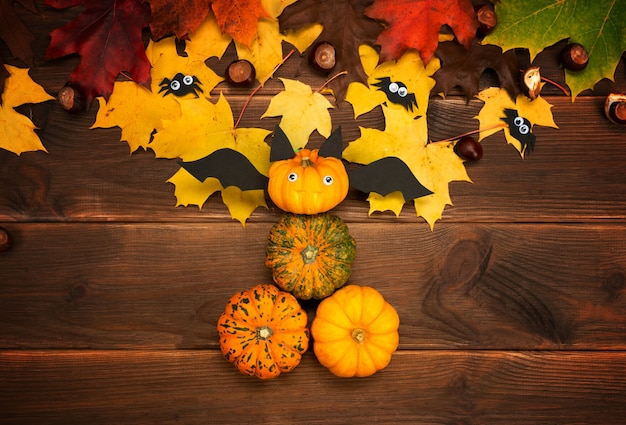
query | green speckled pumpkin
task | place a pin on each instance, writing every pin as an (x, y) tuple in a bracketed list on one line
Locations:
[(310, 255)]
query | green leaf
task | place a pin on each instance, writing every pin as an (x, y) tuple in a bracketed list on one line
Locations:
[(536, 24)]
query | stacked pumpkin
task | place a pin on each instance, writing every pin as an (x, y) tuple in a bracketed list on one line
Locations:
[(263, 331)]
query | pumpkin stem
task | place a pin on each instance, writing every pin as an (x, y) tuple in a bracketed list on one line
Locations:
[(306, 162), (309, 254), (264, 333), (358, 335)]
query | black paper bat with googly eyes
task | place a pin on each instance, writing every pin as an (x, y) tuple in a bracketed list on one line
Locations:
[(181, 85), (397, 93), (521, 129)]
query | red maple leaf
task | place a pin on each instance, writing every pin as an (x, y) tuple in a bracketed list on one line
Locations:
[(239, 18), (176, 17), (107, 36), (416, 24)]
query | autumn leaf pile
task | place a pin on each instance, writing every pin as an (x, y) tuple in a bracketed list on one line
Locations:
[(430, 46)]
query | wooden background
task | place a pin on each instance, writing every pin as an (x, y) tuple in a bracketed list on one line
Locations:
[(513, 310)]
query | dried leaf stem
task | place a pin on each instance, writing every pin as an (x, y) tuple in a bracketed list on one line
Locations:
[(471, 132), (339, 74), (554, 83), (262, 83)]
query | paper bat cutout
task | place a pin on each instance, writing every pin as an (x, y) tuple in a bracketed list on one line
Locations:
[(230, 167), (386, 175), (282, 149), (181, 85), (520, 128), (397, 93)]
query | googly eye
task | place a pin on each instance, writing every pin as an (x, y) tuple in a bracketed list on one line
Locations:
[(187, 80), (328, 180), (524, 129), (402, 91), (292, 177), (175, 85), (518, 121), (393, 87)]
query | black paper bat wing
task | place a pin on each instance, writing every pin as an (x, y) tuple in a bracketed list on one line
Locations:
[(230, 167), (521, 129), (386, 175), (397, 93)]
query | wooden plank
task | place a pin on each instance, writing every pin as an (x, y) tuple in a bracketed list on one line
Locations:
[(435, 387), (500, 286)]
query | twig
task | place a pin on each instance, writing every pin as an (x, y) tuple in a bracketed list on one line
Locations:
[(339, 74), (262, 83), (471, 132)]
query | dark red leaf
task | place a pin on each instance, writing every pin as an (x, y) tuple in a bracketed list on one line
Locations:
[(176, 17), (107, 36), (13, 31)]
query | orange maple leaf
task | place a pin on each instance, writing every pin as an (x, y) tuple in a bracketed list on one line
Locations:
[(416, 24), (239, 18), (176, 17)]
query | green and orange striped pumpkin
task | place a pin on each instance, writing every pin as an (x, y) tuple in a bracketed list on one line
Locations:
[(263, 331), (310, 255)]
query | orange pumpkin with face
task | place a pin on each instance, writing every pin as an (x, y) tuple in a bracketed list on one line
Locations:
[(308, 183)]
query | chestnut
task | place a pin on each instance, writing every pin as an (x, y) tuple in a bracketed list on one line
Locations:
[(5, 240), (532, 82), (487, 18), (240, 73), (574, 57), (71, 98), (468, 148), (323, 56), (615, 108)]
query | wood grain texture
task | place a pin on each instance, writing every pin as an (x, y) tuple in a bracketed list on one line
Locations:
[(511, 309), (498, 286), (434, 387)]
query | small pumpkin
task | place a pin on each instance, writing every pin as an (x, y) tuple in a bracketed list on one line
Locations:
[(307, 181), (263, 331), (310, 255), (355, 331)]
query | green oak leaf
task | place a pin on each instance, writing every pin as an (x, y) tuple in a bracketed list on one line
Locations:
[(599, 25)]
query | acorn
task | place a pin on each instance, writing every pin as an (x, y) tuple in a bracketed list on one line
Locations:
[(615, 108), (5, 240), (240, 73), (71, 98), (574, 57), (532, 82), (323, 56), (487, 18)]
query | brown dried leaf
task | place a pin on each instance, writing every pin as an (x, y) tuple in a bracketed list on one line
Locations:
[(463, 68)]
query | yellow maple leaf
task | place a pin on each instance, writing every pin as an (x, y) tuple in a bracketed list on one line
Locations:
[(266, 51), (434, 165), (492, 114), (207, 41), (203, 128), (276, 7), (17, 132), (167, 63), (409, 70), (137, 111), (303, 111)]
